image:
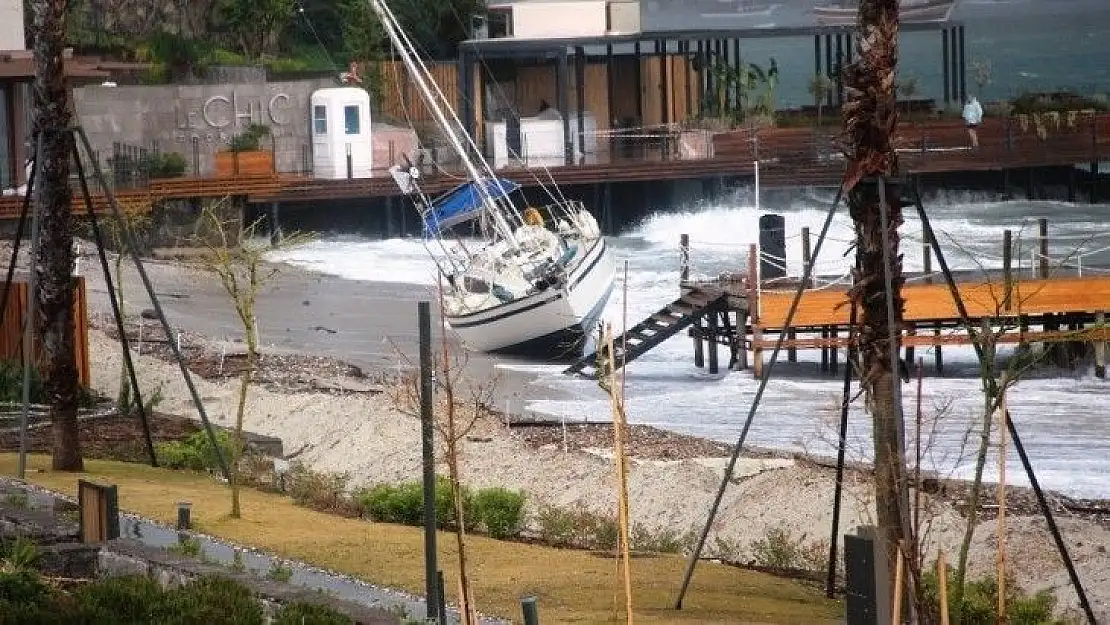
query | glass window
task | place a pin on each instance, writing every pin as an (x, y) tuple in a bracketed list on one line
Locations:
[(320, 119), (350, 119)]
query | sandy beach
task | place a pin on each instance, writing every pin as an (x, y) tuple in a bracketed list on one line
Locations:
[(369, 436)]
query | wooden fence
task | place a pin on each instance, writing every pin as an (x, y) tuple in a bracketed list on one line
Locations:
[(11, 328)]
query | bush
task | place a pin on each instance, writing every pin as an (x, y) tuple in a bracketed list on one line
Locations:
[(213, 600), (577, 526), (386, 503), (404, 504), (126, 600), (979, 605), (301, 613), (250, 139), (163, 165), (326, 492), (781, 549), (196, 452), (501, 511)]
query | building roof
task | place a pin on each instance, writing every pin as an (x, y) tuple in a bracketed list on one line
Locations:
[(515, 46)]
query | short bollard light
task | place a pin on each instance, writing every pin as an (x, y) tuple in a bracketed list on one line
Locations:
[(184, 513)]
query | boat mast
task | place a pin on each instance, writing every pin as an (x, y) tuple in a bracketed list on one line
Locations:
[(391, 28)]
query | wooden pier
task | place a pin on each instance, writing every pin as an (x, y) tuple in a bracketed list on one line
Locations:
[(748, 316), (1016, 148)]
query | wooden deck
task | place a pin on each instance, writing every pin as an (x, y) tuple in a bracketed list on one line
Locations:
[(166, 189), (788, 157), (930, 303)]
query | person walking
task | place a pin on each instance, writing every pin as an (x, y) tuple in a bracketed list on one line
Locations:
[(973, 116)]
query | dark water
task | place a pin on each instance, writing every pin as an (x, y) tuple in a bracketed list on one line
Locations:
[(1030, 44)]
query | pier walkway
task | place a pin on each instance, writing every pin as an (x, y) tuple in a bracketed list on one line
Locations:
[(786, 157), (748, 317)]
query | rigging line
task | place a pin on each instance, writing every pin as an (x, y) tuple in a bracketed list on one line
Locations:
[(420, 73), (501, 91), (417, 61), (806, 275), (304, 16)]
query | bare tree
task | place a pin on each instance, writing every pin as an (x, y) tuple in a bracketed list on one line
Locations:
[(53, 264), (241, 268), (460, 406), (819, 87)]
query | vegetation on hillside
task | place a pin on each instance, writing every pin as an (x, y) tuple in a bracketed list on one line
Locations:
[(183, 40)]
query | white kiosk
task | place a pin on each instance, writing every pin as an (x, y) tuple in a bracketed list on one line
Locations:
[(341, 127)]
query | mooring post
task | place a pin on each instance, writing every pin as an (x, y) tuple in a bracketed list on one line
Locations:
[(276, 235), (834, 366), (1100, 346), (824, 348), (753, 311), (911, 330)]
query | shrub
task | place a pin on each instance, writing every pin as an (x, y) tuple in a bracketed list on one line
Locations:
[(326, 492), (213, 600), (301, 613), (195, 453), (126, 600), (577, 526), (781, 549), (445, 505), (250, 139), (163, 164), (500, 510), (386, 503), (979, 604), (404, 503)]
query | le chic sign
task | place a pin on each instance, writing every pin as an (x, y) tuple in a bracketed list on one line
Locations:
[(218, 118)]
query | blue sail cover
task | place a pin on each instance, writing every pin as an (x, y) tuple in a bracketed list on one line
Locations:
[(464, 202)]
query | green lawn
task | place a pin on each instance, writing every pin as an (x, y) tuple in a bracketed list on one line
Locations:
[(572, 586)]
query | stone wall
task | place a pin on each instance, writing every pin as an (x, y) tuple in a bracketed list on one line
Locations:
[(198, 120)]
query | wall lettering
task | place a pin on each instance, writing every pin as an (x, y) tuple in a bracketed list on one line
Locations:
[(221, 111)]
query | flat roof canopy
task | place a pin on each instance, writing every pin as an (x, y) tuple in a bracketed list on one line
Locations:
[(515, 47)]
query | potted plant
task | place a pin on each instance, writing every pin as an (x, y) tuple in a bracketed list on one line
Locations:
[(244, 155)]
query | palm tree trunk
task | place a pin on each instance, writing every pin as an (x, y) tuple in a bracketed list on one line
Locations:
[(871, 118), (53, 264)]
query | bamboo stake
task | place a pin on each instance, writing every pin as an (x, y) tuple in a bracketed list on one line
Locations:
[(615, 393), (1001, 558), (942, 585), (896, 610)]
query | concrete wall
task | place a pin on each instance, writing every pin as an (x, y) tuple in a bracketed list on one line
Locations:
[(198, 120)]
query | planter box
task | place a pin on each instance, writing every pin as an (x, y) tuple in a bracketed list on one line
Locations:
[(256, 163)]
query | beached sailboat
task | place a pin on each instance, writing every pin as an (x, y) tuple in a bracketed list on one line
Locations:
[(536, 280), (845, 11)]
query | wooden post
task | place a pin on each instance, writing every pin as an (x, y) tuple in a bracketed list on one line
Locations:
[(1042, 231), (911, 330), (942, 587), (824, 349), (753, 311), (938, 352), (833, 364), (711, 341), (927, 258), (684, 255), (792, 351), (1007, 271), (742, 337), (98, 511), (697, 331), (1100, 347)]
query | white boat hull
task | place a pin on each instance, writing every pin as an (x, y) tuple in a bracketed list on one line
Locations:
[(552, 323), (929, 11)]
